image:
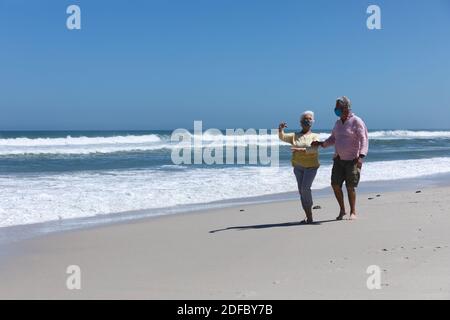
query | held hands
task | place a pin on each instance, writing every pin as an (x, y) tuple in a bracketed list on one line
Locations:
[(297, 149)]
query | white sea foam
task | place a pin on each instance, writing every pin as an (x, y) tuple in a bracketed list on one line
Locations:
[(80, 141), (408, 134), (37, 198), (103, 145), (80, 145)]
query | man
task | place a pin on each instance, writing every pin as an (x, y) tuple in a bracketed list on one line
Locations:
[(351, 141)]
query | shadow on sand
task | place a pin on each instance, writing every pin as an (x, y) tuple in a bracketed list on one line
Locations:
[(272, 225)]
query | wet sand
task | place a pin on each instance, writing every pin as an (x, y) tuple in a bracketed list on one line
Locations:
[(248, 252)]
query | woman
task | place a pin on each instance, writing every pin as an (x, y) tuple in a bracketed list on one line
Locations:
[(305, 159)]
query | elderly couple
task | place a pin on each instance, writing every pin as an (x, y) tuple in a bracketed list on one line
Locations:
[(350, 138)]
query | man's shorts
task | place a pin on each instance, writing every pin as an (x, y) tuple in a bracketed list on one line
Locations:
[(345, 170)]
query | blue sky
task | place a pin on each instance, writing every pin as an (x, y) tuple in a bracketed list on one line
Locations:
[(231, 63)]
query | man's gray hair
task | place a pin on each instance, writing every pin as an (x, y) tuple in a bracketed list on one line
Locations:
[(307, 113), (344, 101)]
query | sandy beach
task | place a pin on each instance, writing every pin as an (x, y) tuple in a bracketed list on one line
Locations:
[(248, 252), (156, 150)]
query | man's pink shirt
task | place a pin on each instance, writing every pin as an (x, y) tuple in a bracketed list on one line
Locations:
[(350, 138)]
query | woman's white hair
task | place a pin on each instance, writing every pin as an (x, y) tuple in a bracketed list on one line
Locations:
[(307, 113)]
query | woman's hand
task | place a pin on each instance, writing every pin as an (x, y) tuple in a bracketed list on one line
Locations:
[(297, 149), (282, 126), (316, 144)]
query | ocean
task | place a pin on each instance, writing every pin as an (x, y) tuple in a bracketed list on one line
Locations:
[(60, 175)]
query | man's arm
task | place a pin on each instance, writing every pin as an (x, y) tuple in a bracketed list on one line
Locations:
[(363, 138), (331, 139)]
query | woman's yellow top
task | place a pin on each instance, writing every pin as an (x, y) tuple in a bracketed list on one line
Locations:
[(307, 159)]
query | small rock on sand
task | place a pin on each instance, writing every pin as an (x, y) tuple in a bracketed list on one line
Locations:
[(317, 207)]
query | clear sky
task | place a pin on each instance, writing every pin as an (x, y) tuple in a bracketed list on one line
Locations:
[(161, 64)]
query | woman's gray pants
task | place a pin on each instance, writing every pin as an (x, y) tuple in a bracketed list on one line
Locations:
[(305, 178)]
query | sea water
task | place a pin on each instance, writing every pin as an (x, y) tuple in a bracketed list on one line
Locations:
[(60, 175)]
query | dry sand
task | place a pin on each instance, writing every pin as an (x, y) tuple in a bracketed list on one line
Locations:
[(259, 253)]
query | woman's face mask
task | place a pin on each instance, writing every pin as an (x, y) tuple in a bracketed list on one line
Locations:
[(307, 123)]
